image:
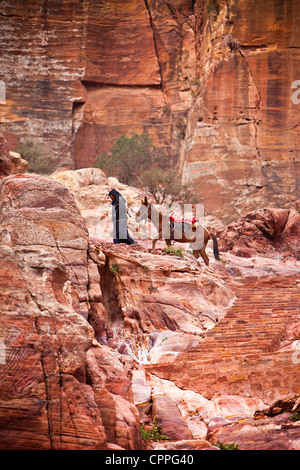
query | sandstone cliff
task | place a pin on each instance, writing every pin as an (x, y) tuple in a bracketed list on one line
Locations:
[(242, 136), (211, 82)]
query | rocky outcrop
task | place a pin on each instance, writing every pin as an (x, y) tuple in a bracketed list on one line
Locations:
[(45, 338), (65, 360), (205, 87), (277, 433), (51, 374), (19, 165), (10, 162), (90, 188), (249, 351), (267, 232), (146, 292)]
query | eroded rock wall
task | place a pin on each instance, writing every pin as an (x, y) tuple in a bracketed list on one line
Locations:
[(79, 75), (242, 143), (53, 380)]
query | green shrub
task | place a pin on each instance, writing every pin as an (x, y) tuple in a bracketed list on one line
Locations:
[(130, 157), (165, 185), (38, 158), (115, 268), (295, 416), (196, 81), (223, 260), (212, 7), (170, 250), (136, 161), (231, 446), (153, 434)]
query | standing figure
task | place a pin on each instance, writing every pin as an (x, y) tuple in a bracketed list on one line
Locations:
[(119, 218)]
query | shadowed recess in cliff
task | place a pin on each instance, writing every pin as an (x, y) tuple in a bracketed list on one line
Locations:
[(114, 314)]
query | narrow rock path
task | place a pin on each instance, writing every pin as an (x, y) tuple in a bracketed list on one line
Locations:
[(256, 323), (249, 352)]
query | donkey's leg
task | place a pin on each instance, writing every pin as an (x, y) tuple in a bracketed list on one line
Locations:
[(158, 237), (204, 255), (154, 242), (168, 242), (196, 253)]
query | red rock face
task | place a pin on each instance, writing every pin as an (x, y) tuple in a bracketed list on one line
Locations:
[(243, 147), (44, 81), (116, 55), (86, 74), (45, 339), (78, 51), (50, 378), (121, 108)]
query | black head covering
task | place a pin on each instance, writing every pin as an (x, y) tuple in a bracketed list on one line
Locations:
[(118, 199), (115, 193)]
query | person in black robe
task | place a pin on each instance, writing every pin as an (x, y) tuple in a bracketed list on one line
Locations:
[(119, 218)]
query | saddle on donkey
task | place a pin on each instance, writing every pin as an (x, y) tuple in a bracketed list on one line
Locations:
[(176, 218)]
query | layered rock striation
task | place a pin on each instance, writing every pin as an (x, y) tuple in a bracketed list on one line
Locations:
[(214, 84), (52, 384), (242, 138)]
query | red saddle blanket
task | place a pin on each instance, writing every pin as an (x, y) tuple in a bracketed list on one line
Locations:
[(176, 218)]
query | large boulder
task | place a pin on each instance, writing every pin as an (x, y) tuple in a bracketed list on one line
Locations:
[(265, 232), (19, 165)]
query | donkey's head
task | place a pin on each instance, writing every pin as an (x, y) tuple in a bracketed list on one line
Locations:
[(144, 211)]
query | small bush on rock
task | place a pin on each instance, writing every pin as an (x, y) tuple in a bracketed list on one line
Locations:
[(231, 446), (170, 250), (153, 434)]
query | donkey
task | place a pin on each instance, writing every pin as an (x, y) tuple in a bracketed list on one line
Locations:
[(181, 234)]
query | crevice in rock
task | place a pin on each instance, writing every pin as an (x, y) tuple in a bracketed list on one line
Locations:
[(260, 161), (254, 47), (77, 115), (154, 42), (11, 15), (114, 314), (91, 85), (254, 81)]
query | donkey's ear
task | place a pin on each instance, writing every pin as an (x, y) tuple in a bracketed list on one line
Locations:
[(146, 201)]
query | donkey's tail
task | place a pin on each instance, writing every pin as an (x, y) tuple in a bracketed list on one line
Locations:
[(215, 247)]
